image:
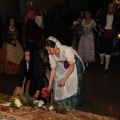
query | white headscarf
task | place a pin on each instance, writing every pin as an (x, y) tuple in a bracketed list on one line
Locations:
[(57, 42)]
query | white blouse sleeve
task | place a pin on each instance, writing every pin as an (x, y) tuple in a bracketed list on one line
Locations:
[(52, 62), (70, 55)]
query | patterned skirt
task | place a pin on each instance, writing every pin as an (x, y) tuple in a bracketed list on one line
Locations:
[(10, 58), (75, 100), (86, 48)]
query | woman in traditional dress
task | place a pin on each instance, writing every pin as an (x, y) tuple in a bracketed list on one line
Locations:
[(11, 52), (67, 72), (86, 47)]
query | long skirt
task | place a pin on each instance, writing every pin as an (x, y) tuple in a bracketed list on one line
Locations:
[(10, 58), (75, 100), (86, 48)]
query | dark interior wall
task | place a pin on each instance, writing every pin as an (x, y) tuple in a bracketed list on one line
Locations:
[(18, 8), (94, 5), (9, 8)]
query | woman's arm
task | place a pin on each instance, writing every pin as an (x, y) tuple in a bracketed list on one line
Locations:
[(20, 78), (17, 90), (40, 82), (62, 82), (52, 73)]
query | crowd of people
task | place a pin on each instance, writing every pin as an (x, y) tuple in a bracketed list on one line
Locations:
[(67, 65), (98, 35)]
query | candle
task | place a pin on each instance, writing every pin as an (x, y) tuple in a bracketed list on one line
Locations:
[(118, 35)]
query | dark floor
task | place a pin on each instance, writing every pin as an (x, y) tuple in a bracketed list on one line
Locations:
[(102, 91)]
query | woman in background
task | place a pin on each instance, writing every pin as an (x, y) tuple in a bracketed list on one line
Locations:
[(86, 47), (11, 51), (66, 71)]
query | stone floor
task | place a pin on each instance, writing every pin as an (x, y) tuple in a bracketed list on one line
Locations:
[(102, 91)]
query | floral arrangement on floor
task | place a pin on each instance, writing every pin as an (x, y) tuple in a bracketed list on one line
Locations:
[(54, 105), (15, 102), (4, 117), (19, 100), (27, 100), (59, 107)]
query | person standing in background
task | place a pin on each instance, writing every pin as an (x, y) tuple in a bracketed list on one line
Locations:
[(109, 26), (11, 52), (33, 33), (86, 47)]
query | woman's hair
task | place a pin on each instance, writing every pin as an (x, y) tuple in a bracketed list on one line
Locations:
[(50, 43), (88, 10), (7, 24), (26, 50), (8, 20)]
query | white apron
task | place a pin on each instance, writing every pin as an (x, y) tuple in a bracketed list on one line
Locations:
[(71, 83)]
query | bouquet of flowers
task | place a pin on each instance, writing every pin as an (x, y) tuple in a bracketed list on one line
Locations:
[(38, 103), (60, 107), (19, 100), (26, 99), (76, 26), (15, 102), (45, 93), (54, 105)]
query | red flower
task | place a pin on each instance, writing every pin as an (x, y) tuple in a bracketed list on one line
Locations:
[(44, 92)]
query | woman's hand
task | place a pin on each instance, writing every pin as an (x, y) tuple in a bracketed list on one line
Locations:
[(62, 83), (49, 88), (36, 94), (17, 91)]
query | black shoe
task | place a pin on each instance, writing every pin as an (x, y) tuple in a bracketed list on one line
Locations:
[(106, 71)]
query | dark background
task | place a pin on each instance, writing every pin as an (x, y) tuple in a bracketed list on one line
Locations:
[(18, 8)]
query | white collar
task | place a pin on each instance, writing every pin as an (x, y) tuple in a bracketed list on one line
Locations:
[(11, 29)]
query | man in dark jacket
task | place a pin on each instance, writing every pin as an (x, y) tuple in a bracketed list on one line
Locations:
[(109, 26)]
